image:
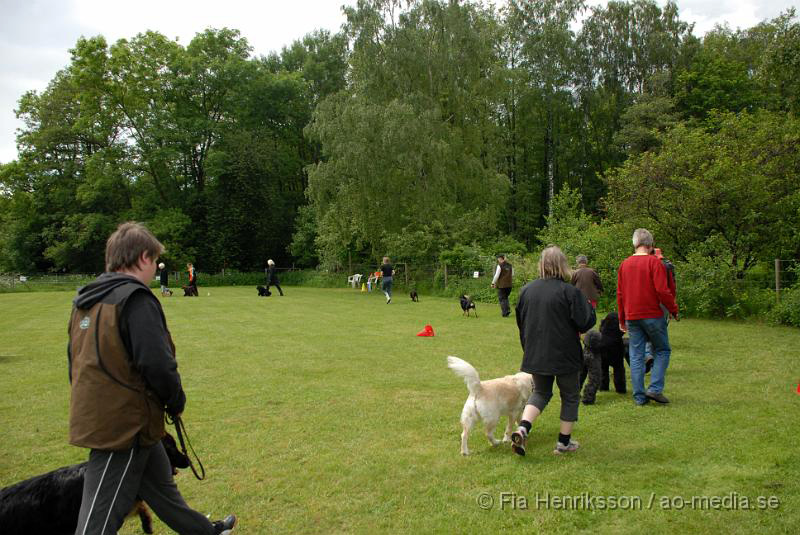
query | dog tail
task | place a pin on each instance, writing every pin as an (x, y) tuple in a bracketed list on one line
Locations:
[(464, 369)]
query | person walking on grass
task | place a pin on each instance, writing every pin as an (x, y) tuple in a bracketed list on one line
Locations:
[(163, 277), (192, 280), (551, 314), (387, 272), (587, 280), (124, 378), (503, 280), (642, 289), (272, 277)]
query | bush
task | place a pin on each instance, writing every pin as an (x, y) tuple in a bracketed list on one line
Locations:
[(787, 311), (709, 288)]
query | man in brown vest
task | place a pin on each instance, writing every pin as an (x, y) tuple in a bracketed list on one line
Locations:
[(503, 278), (587, 280), (124, 377)]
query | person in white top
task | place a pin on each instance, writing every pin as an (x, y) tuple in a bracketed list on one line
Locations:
[(503, 278)]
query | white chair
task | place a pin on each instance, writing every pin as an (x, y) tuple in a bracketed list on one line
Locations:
[(354, 280)]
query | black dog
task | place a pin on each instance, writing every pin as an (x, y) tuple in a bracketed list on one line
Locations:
[(414, 296), (50, 503), (263, 292), (466, 305)]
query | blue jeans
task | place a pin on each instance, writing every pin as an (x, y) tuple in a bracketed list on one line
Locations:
[(387, 287), (653, 330)]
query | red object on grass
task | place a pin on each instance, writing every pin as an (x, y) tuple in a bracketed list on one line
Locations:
[(798, 388), (427, 331)]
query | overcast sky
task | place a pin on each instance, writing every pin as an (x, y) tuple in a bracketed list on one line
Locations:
[(36, 35)]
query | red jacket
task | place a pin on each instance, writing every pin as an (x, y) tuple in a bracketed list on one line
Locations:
[(641, 286)]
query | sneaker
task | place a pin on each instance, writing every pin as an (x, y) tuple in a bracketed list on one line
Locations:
[(518, 440), (388, 300), (225, 526), (569, 448), (648, 365), (657, 396)]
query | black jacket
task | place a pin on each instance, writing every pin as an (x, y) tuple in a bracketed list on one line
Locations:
[(550, 315), (164, 277), (272, 278)]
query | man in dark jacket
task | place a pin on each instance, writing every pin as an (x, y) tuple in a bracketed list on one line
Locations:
[(124, 377), (587, 280), (163, 278), (272, 277), (551, 314)]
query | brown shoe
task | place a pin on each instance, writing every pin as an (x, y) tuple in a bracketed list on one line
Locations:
[(657, 396)]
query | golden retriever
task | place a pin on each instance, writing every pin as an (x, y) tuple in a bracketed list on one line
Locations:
[(489, 400)]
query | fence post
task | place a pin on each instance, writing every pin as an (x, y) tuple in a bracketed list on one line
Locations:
[(777, 280)]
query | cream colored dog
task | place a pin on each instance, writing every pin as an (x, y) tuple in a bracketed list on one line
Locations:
[(489, 400)]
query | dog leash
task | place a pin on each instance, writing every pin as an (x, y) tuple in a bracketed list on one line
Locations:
[(180, 430)]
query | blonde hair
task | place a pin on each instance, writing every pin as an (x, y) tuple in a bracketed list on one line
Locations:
[(553, 264), (126, 245), (385, 259)]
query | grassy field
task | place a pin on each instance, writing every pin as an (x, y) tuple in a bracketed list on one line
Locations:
[(321, 412)]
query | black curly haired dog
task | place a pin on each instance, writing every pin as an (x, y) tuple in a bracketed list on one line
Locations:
[(263, 292), (414, 296), (50, 503)]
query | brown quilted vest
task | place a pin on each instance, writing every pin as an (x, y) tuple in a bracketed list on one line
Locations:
[(109, 404)]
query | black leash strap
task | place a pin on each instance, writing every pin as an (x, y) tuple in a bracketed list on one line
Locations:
[(180, 430)]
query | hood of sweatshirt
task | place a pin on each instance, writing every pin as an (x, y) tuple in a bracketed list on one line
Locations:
[(103, 285)]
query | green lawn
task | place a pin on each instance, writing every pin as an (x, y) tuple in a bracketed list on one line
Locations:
[(322, 412)]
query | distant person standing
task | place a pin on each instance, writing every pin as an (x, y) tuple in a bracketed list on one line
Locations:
[(272, 278), (503, 280), (387, 272), (642, 289), (192, 280), (164, 279), (587, 280)]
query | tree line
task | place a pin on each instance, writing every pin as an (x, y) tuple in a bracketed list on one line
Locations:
[(421, 128)]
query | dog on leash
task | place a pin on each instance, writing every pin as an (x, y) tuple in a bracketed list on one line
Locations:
[(50, 503), (466, 305), (414, 296), (489, 400), (263, 292)]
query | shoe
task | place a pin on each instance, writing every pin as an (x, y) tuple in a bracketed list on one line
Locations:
[(518, 440), (225, 527), (648, 365), (641, 403), (388, 300), (569, 448), (588, 402), (657, 396)]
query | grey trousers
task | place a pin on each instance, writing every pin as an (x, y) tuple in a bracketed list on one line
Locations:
[(569, 388), (114, 479)]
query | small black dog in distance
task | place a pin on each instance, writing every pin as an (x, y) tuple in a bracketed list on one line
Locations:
[(466, 305), (50, 503), (263, 292), (414, 296)]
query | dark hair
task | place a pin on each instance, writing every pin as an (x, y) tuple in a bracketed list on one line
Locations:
[(126, 245)]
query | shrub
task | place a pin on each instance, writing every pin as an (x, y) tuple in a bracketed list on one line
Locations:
[(787, 311)]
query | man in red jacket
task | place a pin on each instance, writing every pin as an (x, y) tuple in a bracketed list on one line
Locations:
[(642, 288)]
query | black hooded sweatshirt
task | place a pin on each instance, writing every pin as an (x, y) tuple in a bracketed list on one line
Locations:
[(143, 329)]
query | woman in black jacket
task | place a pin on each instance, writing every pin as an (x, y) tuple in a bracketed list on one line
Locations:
[(551, 314)]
